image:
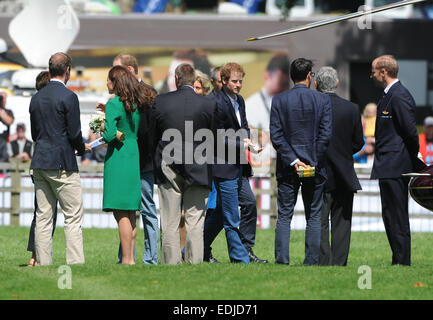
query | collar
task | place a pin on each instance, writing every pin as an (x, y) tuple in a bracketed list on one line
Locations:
[(300, 86), (235, 100), (57, 80), (186, 85), (390, 85)]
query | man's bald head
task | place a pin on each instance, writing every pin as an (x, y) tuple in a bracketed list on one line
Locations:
[(388, 63), (59, 64)]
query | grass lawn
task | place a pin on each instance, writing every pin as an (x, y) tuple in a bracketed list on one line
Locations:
[(102, 278)]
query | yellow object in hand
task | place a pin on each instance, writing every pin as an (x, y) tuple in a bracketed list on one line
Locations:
[(307, 172)]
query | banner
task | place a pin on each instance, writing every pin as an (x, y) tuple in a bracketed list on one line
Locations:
[(252, 6), (150, 6)]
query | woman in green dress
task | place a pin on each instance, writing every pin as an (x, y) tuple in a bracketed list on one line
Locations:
[(122, 188)]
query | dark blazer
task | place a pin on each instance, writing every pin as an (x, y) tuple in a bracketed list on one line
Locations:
[(145, 138), (396, 136), (170, 111), (300, 127), (225, 119), (347, 139), (56, 128)]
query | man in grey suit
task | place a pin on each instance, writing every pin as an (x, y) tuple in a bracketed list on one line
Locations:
[(347, 139), (56, 131)]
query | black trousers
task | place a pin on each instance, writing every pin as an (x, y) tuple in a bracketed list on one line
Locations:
[(395, 215), (337, 209)]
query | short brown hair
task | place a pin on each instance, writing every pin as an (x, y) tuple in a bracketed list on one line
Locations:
[(127, 60), (228, 68), (185, 74), (388, 63), (59, 63)]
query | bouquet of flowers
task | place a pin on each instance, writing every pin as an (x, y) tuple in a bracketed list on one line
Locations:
[(96, 124)]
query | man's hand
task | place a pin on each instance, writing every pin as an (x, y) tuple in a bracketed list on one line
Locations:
[(299, 164), (252, 147), (87, 148)]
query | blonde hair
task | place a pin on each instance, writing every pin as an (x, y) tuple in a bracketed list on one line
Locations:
[(369, 107), (204, 81)]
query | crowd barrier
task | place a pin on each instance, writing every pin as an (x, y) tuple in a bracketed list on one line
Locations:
[(17, 201)]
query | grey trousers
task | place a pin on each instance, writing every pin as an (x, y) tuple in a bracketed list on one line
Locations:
[(172, 194), (63, 186)]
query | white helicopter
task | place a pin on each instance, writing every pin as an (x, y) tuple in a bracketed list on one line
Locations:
[(42, 28)]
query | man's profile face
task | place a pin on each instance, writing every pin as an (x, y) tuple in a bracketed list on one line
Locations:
[(376, 75), (218, 85), (234, 84)]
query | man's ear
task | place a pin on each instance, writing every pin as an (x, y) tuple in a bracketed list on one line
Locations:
[(315, 84), (131, 69), (338, 83)]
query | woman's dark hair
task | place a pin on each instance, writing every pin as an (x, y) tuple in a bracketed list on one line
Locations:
[(42, 79), (129, 90), (300, 68)]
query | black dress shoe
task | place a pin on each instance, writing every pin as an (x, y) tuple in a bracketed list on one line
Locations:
[(254, 258), (211, 259)]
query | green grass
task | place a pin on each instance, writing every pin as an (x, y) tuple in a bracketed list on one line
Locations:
[(102, 278)]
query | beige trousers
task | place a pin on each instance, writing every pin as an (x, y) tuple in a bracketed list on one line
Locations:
[(194, 198), (64, 186)]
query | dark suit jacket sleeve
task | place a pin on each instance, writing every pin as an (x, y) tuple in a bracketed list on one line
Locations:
[(358, 134), (404, 117), (73, 123), (325, 130), (276, 129), (154, 117)]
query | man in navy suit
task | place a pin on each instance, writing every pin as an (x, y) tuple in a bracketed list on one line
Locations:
[(301, 127), (396, 153), (56, 131), (347, 139), (231, 167)]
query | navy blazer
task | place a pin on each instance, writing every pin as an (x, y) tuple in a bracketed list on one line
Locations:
[(145, 137), (300, 127), (169, 113), (56, 128), (226, 120), (396, 136), (347, 139)]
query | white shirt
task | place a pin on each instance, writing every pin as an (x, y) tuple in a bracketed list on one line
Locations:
[(258, 109), (390, 85), (235, 105), (58, 81)]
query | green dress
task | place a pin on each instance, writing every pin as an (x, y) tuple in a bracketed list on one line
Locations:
[(122, 189)]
